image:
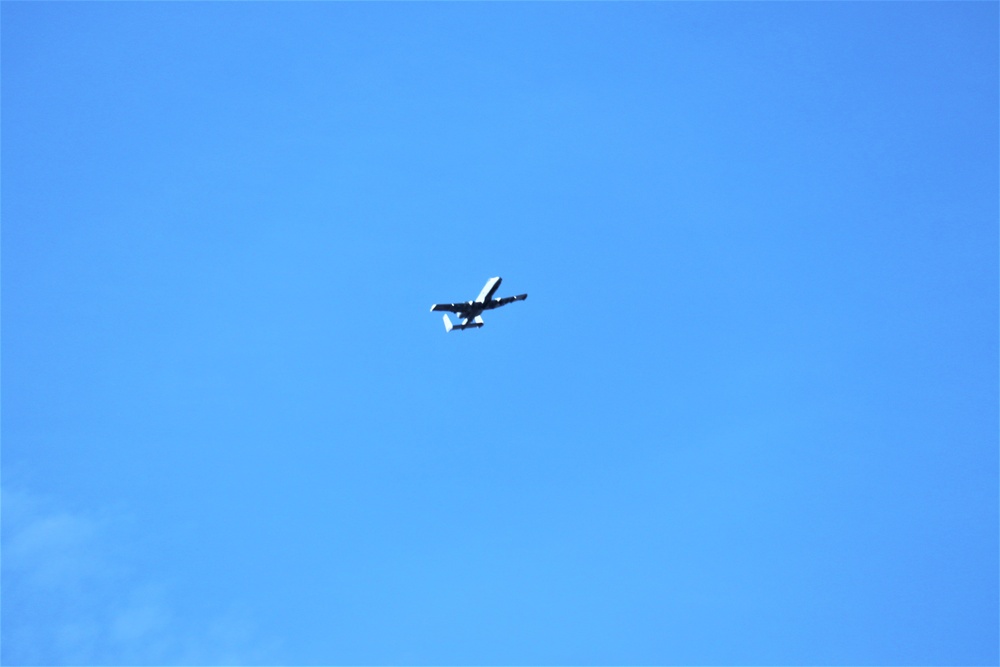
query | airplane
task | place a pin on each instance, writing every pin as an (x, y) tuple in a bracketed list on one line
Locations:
[(471, 311)]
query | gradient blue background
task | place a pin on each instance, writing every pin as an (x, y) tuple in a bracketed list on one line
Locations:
[(748, 414)]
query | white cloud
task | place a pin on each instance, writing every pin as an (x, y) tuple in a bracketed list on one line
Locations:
[(69, 599), (51, 550)]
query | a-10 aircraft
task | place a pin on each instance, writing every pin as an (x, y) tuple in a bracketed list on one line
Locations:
[(471, 311)]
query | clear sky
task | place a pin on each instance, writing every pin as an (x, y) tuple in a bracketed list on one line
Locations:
[(747, 415)]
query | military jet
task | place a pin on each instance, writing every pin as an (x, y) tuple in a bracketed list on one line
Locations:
[(471, 311)]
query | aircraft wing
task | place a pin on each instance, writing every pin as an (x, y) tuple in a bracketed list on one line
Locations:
[(509, 299), (451, 307), (489, 289)]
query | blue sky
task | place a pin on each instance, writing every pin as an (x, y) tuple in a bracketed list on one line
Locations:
[(748, 414)]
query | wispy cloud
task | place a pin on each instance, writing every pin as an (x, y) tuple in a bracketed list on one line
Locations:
[(70, 598), (50, 549)]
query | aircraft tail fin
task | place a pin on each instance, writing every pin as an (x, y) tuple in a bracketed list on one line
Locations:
[(475, 323)]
